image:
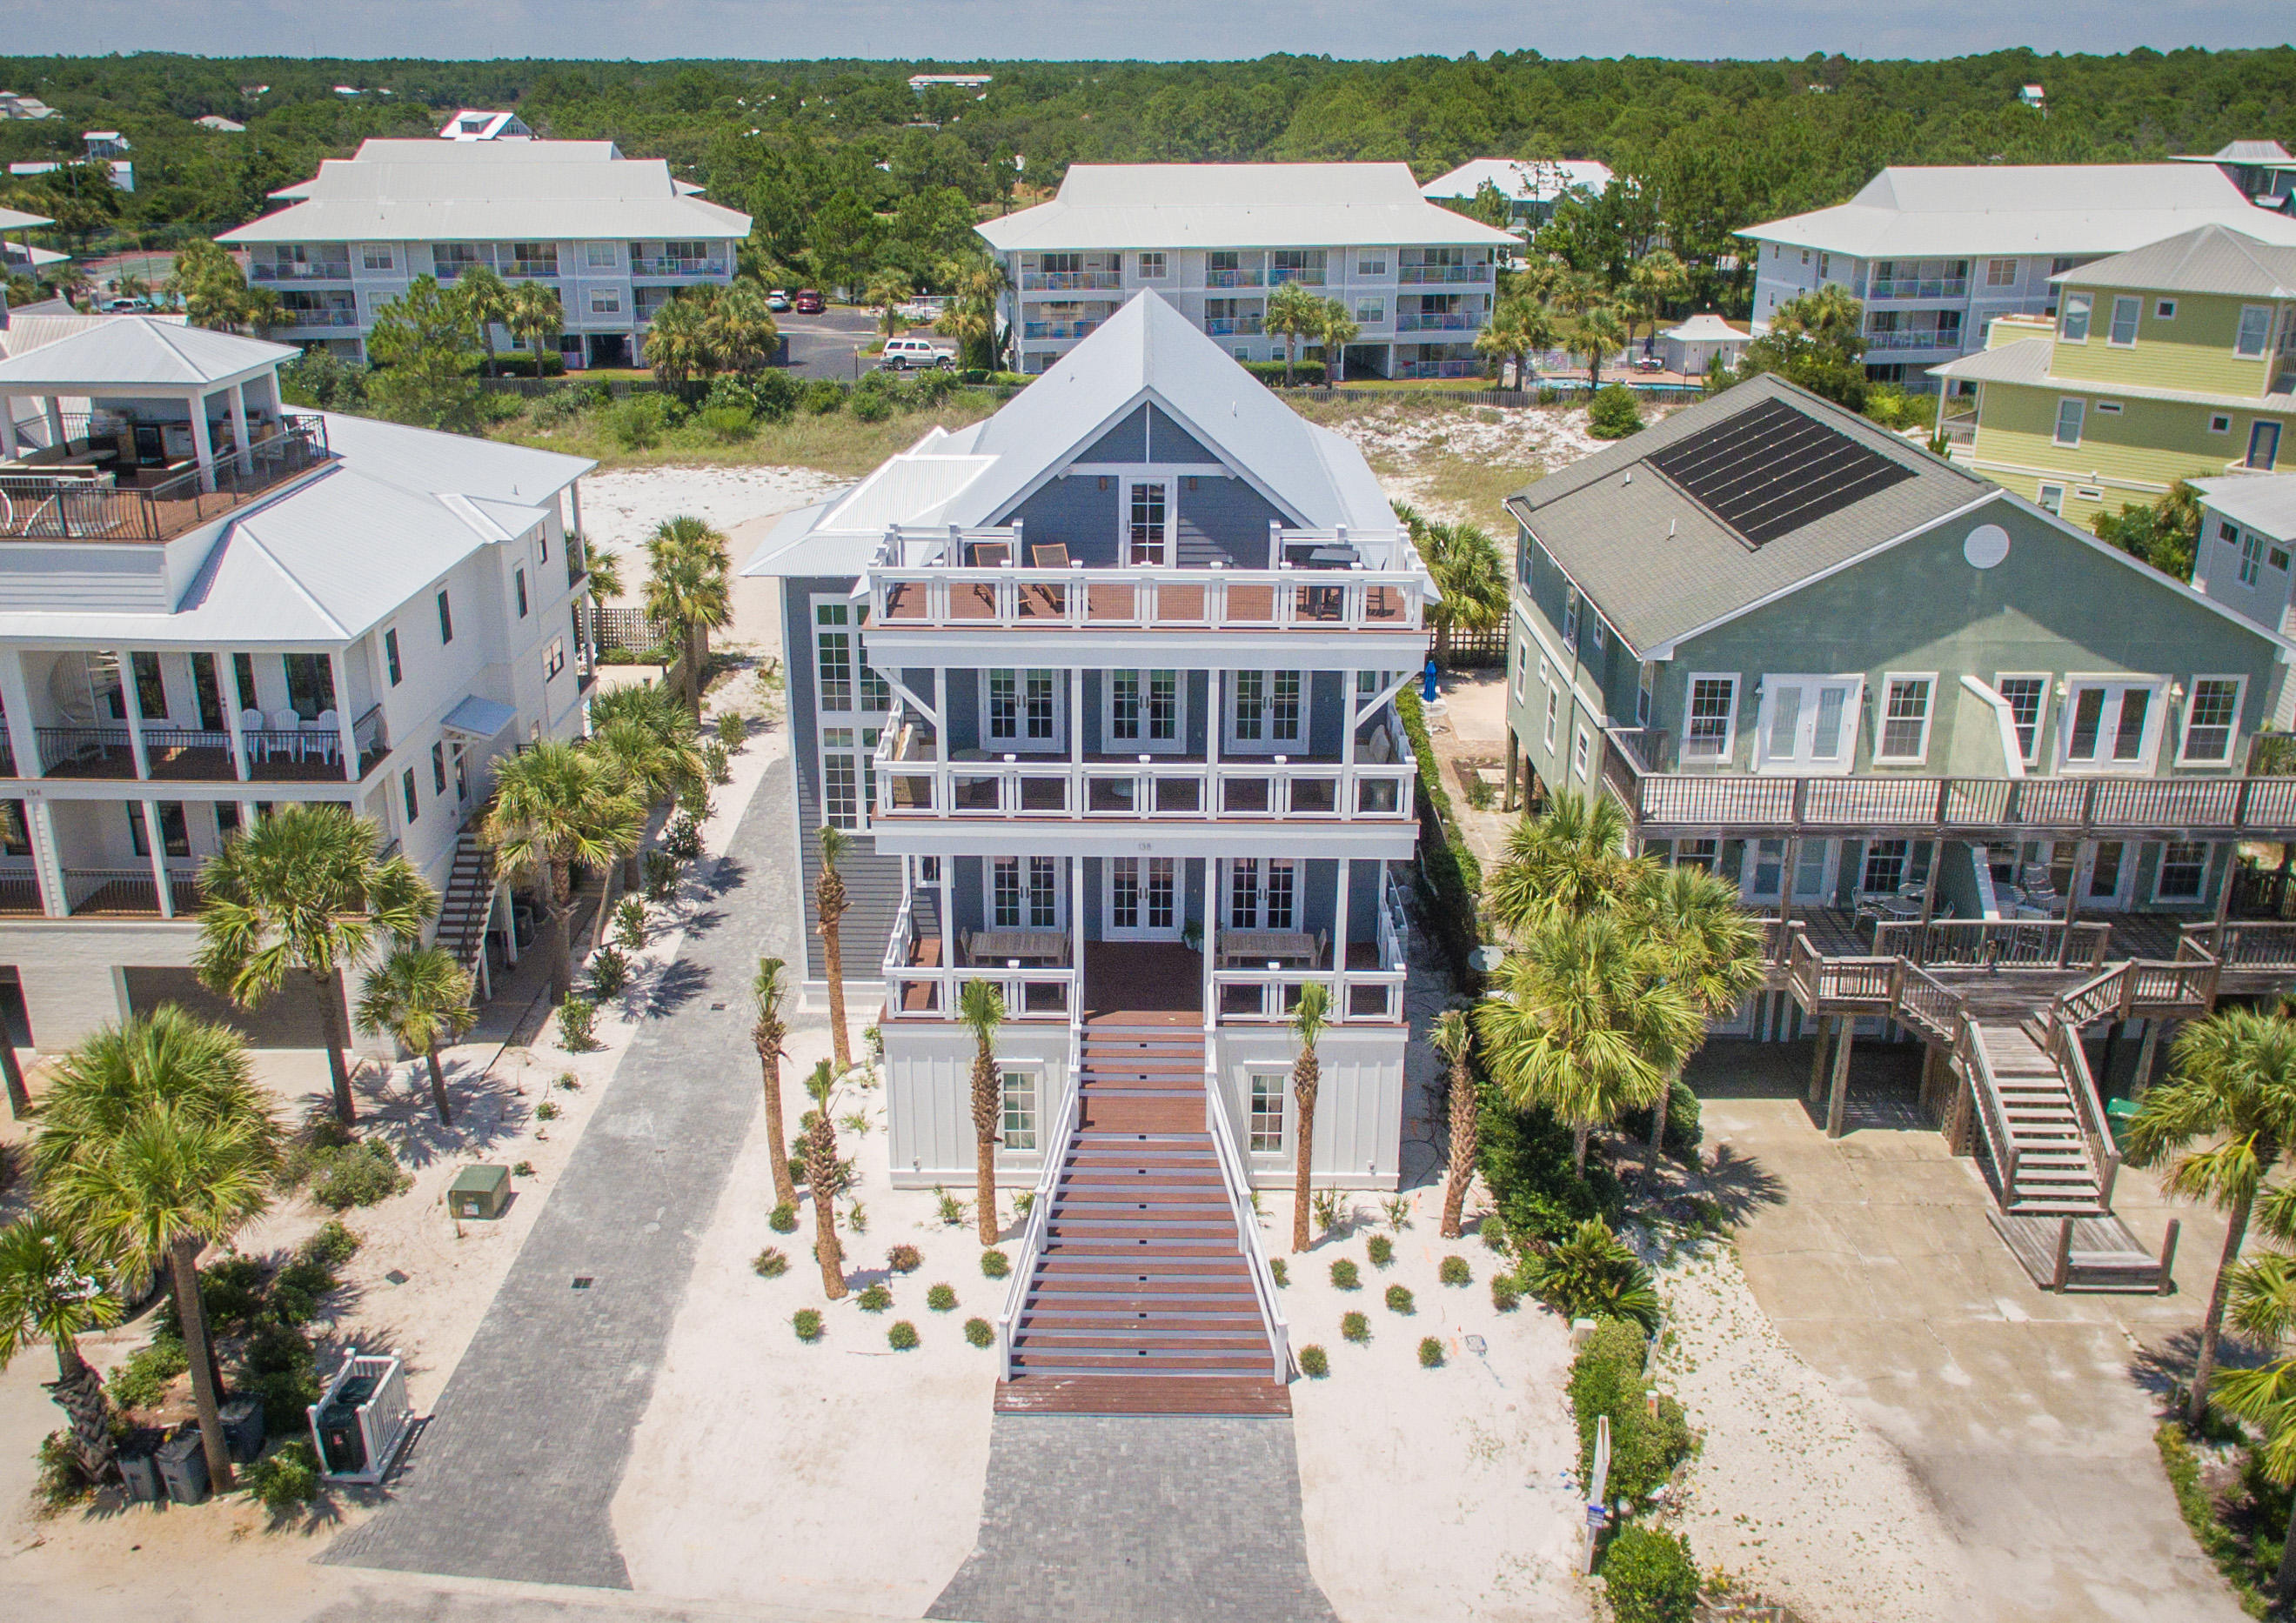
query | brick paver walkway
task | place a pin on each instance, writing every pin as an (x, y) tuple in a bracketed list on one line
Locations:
[(1162, 1519), (515, 1474)]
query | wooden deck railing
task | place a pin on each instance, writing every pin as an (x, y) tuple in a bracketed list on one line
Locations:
[(1996, 943), (1985, 1092), (2064, 1047), (2249, 945)]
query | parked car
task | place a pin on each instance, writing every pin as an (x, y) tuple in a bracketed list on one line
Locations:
[(809, 302), (777, 300), (126, 306), (912, 354)]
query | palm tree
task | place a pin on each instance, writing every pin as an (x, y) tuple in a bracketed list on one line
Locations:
[(1454, 1040), (978, 287), (300, 891), (1653, 281), (739, 328), (1570, 860), (156, 1143), (769, 1034), (888, 291), (1293, 310), (2233, 1088), (980, 1009), (1308, 1019), (1468, 571), (422, 997), (1518, 328), (829, 905), (1337, 330), (650, 742), (1704, 944), (688, 587), (2264, 1306), (1594, 333), (821, 1177), (677, 344), (486, 300), (1583, 1027), (557, 804), (48, 1292), (535, 316)]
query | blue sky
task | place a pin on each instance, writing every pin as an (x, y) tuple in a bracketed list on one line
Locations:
[(1120, 29)]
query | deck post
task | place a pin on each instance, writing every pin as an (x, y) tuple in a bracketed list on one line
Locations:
[(1933, 1074), (1786, 878), (2112, 1043), (1929, 890), (1844, 1033), (2168, 1255), (1817, 1060), (2223, 886), (2064, 1268), (1507, 804), (2144, 1056), (2072, 908)]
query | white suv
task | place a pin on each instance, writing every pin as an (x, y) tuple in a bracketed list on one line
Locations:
[(905, 354)]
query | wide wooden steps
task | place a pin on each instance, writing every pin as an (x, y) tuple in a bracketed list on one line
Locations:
[(2056, 1176), (1140, 1394)]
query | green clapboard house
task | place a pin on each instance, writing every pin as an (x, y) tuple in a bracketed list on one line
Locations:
[(2172, 361)]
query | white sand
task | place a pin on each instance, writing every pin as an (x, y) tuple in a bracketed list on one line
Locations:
[(1790, 1492), (621, 507), (1445, 1492)]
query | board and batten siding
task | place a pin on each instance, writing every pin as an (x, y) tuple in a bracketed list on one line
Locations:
[(929, 1100), (1358, 1101)]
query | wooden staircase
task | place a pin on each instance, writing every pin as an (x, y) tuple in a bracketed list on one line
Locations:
[(463, 909), (2052, 1172), (1141, 1300)]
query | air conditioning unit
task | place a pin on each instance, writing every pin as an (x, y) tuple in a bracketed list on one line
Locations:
[(361, 1420)]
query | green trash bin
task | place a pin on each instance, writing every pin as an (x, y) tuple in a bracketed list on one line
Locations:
[(479, 1192)]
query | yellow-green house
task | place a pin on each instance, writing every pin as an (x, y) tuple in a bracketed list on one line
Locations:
[(2171, 361)]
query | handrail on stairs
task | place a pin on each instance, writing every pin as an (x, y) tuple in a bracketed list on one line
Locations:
[(1235, 1176), (2064, 1049), (1068, 1117), (1976, 1066)]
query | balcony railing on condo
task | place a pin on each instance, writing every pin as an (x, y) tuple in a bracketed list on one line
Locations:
[(1237, 277), (342, 317), (1230, 326), (1056, 330), (331, 270), (540, 270), (1303, 276), (914, 990), (1437, 321), (2058, 806), (674, 266), (1371, 994), (1410, 273), (1917, 287), (1042, 282), (310, 753), (1917, 338), (52, 507)]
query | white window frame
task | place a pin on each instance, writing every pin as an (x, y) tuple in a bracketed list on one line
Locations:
[(1021, 1085), (2050, 503), (2117, 686), (1176, 744), (1812, 685), (2252, 557), (1111, 931), (1521, 669), (2219, 423), (1371, 312), (2162, 893), (1889, 681), (591, 261), (1024, 874), (2040, 705), (2184, 756), (2164, 309), (1150, 266), (1994, 276), (605, 301), (2080, 419), (1268, 744), (1281, 1088), (2073, 320), (1169, 546), (1571, 619), (1020, 743), (2133, 307), (2264, 335), (1581, 751), (1729, 739), (1645, 693), (1554, 709), (378, 256)]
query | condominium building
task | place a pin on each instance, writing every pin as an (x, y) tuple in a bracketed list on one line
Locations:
[(2175, 361), (1935, 254), (616, 238), (210, 605), (1214, 239)]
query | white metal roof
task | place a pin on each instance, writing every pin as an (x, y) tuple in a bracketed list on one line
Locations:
[(34, 327), (1945, 212), (1706, 328), (2264, 501), (108, 356), (1523, 180), (2249, 154), (1236, 205), (472, 191), (15, 219)]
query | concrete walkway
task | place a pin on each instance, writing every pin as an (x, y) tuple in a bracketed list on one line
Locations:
[(2028, 1416), (1100, 1518), (515, 1475)]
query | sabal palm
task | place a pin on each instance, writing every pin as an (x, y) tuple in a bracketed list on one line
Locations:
[(1308, 1016), (1570, 861), (1594, 333), (534, 315), (2232, 1090), (1519, 329), (419, 997), (888, 291), (739, 328), (2263, 1304), (1701, 941), (828, 904), (688, 587), (1292, 311), (654, 755), (302, 892), (1583, 1027), (980, 1010), (1454, 1040), (554, 806), (1337, 330), (156, 1143), (1654, 280), (486, 298), (769, 1035), (971, 317), (49, 1292), (821, 1177), (678, 343), (1470, 573)]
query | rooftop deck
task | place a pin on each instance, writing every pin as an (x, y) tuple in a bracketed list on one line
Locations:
[(96, 504)]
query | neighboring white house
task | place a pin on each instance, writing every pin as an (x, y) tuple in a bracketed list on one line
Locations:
[(477, 124), (1691, 349), (2243, 556), (1936, 253), (2262, 169), (1531, 186), (15, 106), (210, 605), (222, 126), (616, 237), (1214, 239), (123, 170)]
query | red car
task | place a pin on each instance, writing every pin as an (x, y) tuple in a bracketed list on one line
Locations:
[(809, 302)]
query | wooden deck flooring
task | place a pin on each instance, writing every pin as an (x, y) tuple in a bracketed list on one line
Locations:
[(2105, 1255), (1137, 982), (1140, 1395)]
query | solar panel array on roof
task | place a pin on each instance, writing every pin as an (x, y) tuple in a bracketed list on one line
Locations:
[(1769, 471)]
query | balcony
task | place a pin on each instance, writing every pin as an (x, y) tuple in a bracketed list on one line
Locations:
[(344, 316), (129, 893), (1461, 368), (331, 270), (2055, 807), (1233, 326), (85, 505), (1438, 321), (1056, 330), (1920, 338), (1237, 277), (1306, 277), (1916, 287), (311, 753), (1051, 281), (1410, 274), (1366, 987), (670, 264), (535, 270), (923, 981)]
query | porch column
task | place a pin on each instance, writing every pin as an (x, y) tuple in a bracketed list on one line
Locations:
[(1339, 938), (8, 426), (346, 724), (55, 410), (1514, 749), (132, 702), (2231, 848), (16, 706), (940, 733), (246, 458), (47, 856), (202, 449), (948, 932), (1845, 1033), (157, 844), (1210, 933), (233, 702), (2144, 1054), (1075, 933), (1825, 1029), (1076, 731), (1351, 681), (1786, 877), (2072, 906), (574, 492)]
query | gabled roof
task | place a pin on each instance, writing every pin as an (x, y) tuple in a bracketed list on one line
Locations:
[(15, 219), (1913, 213), (1236, 205), (2264, 501), (2029, 359), (2207, 259), (1706, 328), (2250, 154), (127, 350), (34, 327), (1521, 180)]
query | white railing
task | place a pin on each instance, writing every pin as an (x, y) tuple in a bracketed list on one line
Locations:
[(1031, 994), (1268, 995), (1238, 1180), (329, 270), (1422, 274), (1275, 789), (1055, 282), (1066, 1118), (1438, 321)]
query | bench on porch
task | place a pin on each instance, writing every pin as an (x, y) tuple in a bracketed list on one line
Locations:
[(996, 946)]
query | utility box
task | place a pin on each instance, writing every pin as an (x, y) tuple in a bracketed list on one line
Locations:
[(242, 1428), (479, 1192), (139, 1466), (359, 1424), (184, 1465)]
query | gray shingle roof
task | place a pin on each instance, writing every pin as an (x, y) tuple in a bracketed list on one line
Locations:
[(2209, 259), (1658, 566)]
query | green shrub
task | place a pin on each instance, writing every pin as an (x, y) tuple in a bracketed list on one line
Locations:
[(1382, 1252), (902, 1336), (609, 971), (1344, 1275), (1647, 1440), (1649, 1576), (733, 732), (1683, 1127), (1354, 1327), (639, 422), (807, 1323), (717, 761), (784, 1219), (904, 1259), (295, 1294), (1399, 1300), (275, 1348), (231, 1291), (333, 1243), (285, 1480), (287, 1396), (1525, 1157), (877, 1298), (1455, 1271), (1309, 373), (771, 1263), (661, 875), (1279, 1270), (576, 1016), (630, 925), (1313, 1363), (980, 1333), (1593, 1276), (727, 423), (547, 1110), (941, 1299), (996, 1265), (683, 839), (61, 1483), (1446, 865), (1614, 413), (1549, 394), (870, 405), (823, 395), (358, 1174), (1430, 1352), (1493, 1232), (141, 1380), (1504, 1296)]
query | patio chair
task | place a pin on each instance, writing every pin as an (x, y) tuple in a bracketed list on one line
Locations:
[(1052, 557), (322, 735), (992, 555), (2040, 890)]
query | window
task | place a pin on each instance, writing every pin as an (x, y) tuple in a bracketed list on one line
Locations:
[(377, 257), (2255, 330), (1521, 669), (390, 654), (1709, 722), (407, 792), (1243, 352), (832, 653), (1268, 714), (2164, 309), (517, 580), (1024, 893), (439, 768), (1142, 897), (1579, 750), (446, 620), (1370, 264), (1022, 707), (1151, 267), (2059, 267), (2123, 332), (599, 255), (1144, 711), (175, 832), (1701, 854), (2023, 696), (1148, 520), (605, 301), (1805, 256), (1267, 1125), (1905, 719), (2184, 867), (2068, 421), (841, 779), (1643, 695), (1019, 1094), (2108, 408), (1554, 702), (1370, 312), (2053, 498), (2251, 553), (2279, 558), (2108, 724), (150, 691), (2001, 272), (1263, 896), (2219, 423), (1243, 893), (1885, 866), (1824, 267), (2072, 326), (1571, 619), (1063, 265), (2210, 720), (1600, 633), (553, 658), (1808, 723)]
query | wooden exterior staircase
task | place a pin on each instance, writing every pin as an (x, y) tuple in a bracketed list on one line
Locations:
[(2048, 1161), (463, 907)]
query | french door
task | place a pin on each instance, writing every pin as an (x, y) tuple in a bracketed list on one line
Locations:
[(2112, 725), (1763, 877), (1143, 900), (2106, 875), (1808, 724)]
